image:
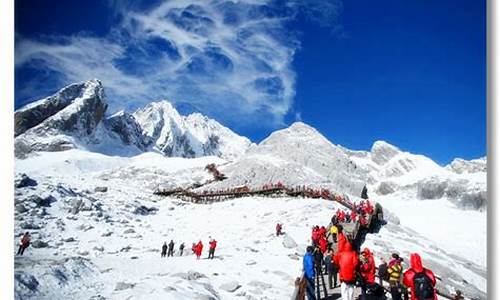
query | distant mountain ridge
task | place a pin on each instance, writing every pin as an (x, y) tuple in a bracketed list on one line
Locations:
[(74, 117)]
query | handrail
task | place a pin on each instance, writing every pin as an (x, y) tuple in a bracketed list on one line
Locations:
[(179, 192), (298, 288)]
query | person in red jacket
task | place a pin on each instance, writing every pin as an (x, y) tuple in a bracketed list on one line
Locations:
[(367, 270), (24, 243), (353, 215), (198, 249), (342, 241), (420, 280), (278, 229), (315, 235), (322, 231), (342, 216), (347, 260), (211, 249), (323, 244)]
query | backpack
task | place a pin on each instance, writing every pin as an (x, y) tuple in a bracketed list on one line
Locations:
[(375, 290), (423, 286)]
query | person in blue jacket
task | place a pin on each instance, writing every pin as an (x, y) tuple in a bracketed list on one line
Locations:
[(309, 273)]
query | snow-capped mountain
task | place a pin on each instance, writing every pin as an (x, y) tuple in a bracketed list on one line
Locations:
[(293, 156), (187, 136), (60, 121), (391, 170), (75, 118), (97, 226), (460, 166), (301, 154)]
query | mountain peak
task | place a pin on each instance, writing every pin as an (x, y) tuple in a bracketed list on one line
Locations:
[(74, 117), (59, 107), (382, 152), (459, 165), (301, 126)]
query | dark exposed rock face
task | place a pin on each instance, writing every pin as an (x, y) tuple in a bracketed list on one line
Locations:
[(386, 188), (126, 127), (40, 244), (76, 108), (473, 200), (37, 113), (58, 122), (144, 211), (431, 189), (24, 181)]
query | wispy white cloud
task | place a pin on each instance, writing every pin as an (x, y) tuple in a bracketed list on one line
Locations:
[(231, 60)]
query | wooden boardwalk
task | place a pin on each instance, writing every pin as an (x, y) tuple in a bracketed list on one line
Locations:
[(207, 197)]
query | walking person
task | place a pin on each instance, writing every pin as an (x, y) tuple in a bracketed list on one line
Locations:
[(420, 280), (383, 274), (24, 243), (318, 259), (170, 248), (333, 232), (309, 272), (164, 249), (347, 260), (367, 270), (181, 249), (395, 271), (211, 249), (279, 227), (331, 268), (198, 249)]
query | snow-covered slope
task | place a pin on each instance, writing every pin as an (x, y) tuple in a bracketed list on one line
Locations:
[(98, 230), (445, 204), (94, 217), (75, 118), (295, 156), (401, 181)]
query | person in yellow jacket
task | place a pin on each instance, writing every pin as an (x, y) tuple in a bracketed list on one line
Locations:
[(334, 231), (395, 270)]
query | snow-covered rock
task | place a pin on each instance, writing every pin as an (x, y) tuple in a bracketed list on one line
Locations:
[(230, 286), (461, 166), (53, 123), (295, 155), (385, 187), (382, 152), (23, 180), (74, 117), (288, 242), (431, 188), (125, 126), (187, 136)]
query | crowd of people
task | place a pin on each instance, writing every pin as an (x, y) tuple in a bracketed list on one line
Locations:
[(359, 212), (196, 248), (352, 270), (303, 190)]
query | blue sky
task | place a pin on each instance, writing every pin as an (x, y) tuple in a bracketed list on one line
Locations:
[(412, 73)]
